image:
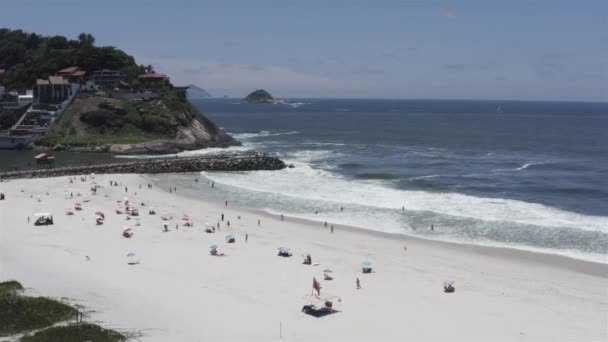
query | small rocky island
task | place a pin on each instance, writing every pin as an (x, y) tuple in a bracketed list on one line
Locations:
[(262, 96)]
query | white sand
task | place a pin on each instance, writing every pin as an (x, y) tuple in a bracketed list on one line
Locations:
[(181, 293)]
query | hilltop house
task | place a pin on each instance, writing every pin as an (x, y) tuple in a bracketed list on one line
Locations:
[(108, 78), (73, 74), (54, 90), (153, 79)]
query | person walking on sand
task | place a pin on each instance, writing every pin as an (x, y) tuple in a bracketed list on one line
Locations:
[(358, 284), (226, 203), (332, 229), (325, 224), (218, 226), (228, 223), (341, 208), (28, 219), (432, 228), (126, 189), (282, 217), (246, 237), (222, 217), (259, 222)]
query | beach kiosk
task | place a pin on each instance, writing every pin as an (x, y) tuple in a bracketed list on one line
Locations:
[(44, 161)]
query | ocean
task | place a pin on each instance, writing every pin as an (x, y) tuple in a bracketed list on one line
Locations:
[(524, 175)]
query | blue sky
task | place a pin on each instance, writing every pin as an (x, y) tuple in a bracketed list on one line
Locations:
[(458, 49)]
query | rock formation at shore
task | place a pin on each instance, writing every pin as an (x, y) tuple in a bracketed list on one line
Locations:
[(261, 96), (154, 166)]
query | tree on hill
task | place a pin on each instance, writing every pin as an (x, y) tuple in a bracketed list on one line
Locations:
[(29, 56)]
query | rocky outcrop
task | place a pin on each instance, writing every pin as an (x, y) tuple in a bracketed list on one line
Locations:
[(153, 166), (201, 133)]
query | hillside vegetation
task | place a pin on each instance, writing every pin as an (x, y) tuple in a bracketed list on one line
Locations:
[(29, 56), (165, 122)]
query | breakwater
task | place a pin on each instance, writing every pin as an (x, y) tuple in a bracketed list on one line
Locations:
[(153, 166)]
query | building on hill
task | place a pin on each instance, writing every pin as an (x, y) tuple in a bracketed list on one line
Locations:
[(153, 79), (54, 90), (73, 74), (107, 78)]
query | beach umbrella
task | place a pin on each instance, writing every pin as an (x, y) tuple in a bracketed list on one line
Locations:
[(327, 270), (230, 235), (448, 282), (125, 228), (99, 213), (214, 246), (367, 263), (130, 254), (284, 249)]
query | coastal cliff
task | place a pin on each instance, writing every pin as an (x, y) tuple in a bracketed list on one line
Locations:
[(112, 124)]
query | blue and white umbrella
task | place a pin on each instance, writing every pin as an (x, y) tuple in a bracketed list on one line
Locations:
[(367, 263), (130, 254), (213, 246), (448, 282), (230, 235), (284, 249), (327, 270)]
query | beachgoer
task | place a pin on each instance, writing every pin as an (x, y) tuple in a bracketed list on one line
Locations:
[(282, 217), (316, 212), (228, 223), (405, 248), (238, 217), (126, 189), (332, 229), (358, 284), (212, 184), (432, 228), (403, 208), (325, 224), (226, 203), (28, 219), (170, 190), (176, 226), (140, 186), (218, 226), (258, 222), (222, 217), (246, 237), (341, 208)]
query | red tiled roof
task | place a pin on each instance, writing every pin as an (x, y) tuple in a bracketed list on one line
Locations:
[(152, 75), (79, 73), (69, 70)]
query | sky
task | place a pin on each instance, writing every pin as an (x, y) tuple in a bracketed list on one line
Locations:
[(412, 49)]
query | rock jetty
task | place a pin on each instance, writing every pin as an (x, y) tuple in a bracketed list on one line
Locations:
[(153, 166)]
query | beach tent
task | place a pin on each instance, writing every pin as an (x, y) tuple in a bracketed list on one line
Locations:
[(43, 219)]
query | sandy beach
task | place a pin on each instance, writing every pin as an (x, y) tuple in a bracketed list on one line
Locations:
[(179, 292)]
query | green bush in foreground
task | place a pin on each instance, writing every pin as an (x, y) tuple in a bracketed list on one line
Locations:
[(19, 313), (75, 333), (10, 287)]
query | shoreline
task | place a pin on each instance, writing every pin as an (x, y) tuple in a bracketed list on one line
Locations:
[(541, 258), (177, 291)]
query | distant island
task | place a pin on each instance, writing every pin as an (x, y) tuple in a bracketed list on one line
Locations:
[(63, 94), (262, 96), (196, 92)]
